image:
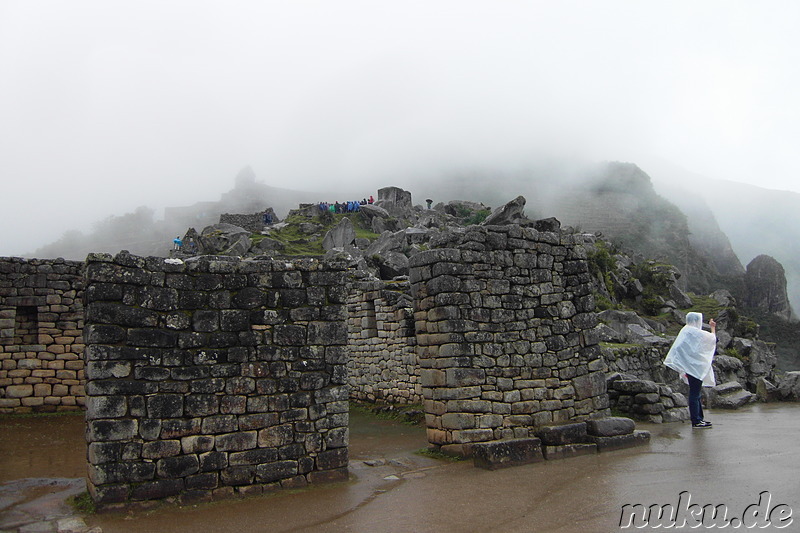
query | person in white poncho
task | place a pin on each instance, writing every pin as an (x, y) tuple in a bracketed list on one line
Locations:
[(691, 355)]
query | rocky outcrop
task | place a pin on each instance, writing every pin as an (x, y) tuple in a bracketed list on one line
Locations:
[(789, 386), (765, 286), (341, 235), (460, 208), (511, 213), (392, 265), (224, 239), (759, 360), (396, 201), (630, 328), (370, 211)]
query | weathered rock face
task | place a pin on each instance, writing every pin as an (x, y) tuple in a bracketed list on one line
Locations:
[(341, 235), (723, 297), (224, 239), (759, 360), (728, 368), (511, 213), (458, 208), (371, 211), (396, 201), (680, 298), (789, 386), (630, 327), (393, 264), (765, 286)]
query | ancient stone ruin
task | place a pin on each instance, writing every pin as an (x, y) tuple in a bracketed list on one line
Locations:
[(213, 376), (504, 319), (216, 375), (41, 346)]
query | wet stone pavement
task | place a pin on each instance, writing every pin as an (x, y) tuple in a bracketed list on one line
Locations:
[(747, 452)]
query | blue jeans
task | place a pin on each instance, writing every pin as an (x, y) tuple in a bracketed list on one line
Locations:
[(695, 393)]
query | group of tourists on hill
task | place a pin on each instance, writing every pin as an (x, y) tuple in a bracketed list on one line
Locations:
[(345, 207)]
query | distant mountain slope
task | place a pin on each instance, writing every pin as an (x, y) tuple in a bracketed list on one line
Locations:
[(756, 220), (617, 200)]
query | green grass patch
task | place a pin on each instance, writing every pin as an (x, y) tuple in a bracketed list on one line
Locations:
[(477, 217), (83, 503), (706, 305), (363, 233), (440, 456), (298, 243)]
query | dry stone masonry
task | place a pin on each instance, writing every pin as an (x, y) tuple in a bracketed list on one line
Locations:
[(219, 376), (382, 365), (504, 321), (646, 400), (213, 377), (41, 345)]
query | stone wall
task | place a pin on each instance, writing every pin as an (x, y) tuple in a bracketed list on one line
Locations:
[(504, 321), (41, 347), (639, 361), (213, 377), (253, 223), (382, 366), (646, 400)]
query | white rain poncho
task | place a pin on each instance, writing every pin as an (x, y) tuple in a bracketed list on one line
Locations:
[(693, 350)]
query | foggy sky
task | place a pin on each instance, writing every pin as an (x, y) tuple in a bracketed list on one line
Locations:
[(109, 105)]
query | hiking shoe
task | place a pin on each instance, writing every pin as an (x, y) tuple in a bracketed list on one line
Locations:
[(702, 424)]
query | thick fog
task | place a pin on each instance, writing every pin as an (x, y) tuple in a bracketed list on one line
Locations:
[(109, 105)]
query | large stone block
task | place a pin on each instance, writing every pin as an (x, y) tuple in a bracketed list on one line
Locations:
[(617, 442), (560, 434), (253, 457), (275, 471), (504, 453), (243, 440), (111, 430), (165, 406), (160, 449), (332, 459), (464, 377), (568, 450), (19, 391), (122, 472), (177, 467), (610, 426), (106, 407)]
